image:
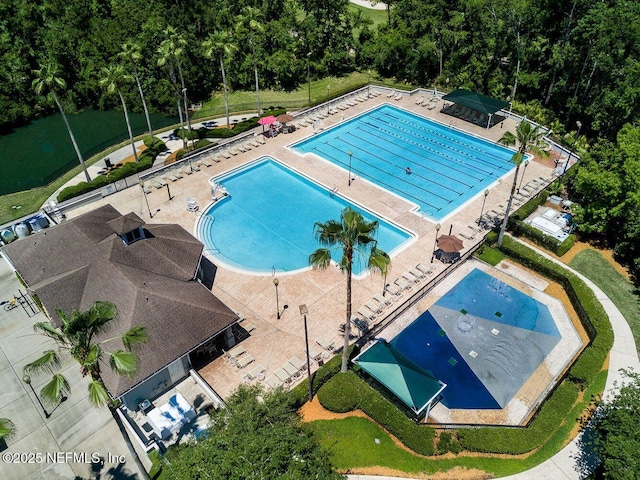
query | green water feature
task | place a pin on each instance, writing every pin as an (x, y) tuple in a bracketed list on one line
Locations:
[(38, 153)]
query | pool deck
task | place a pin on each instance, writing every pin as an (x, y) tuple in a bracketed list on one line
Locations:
[(274, 341)]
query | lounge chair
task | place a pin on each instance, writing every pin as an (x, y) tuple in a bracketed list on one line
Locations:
[(184, 171), (324, 343), (273, 382), (420, 101), (225, 154), (316, 354), (158, 183), (365, 313), (403, 283), (291, 370), (205, 162), (214, 158), (176, 173), (283, 376), (374, 307), (255, 373), (297, 363), (417, 273), (427, 270), (244, 360), (170, 177), (391, 94), (398, 97), (382, 301), (255, 144), (145, 188), (410, 277), (394, 289)]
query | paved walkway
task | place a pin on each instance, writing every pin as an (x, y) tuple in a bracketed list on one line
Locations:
[(569, 463), (62, 444)]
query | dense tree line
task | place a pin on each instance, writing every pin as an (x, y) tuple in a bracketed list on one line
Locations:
[(571, 64), (82, 37)]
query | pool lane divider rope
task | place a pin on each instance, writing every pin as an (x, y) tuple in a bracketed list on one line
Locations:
[(403, 167), (434, 131), (379, 182), (446, 158)]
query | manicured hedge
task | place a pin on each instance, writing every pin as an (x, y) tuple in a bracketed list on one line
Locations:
[(145, 161), (81, 188), (300, 393), (348, 390), (516, 441)]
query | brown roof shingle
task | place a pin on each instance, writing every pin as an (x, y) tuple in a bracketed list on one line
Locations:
[(151, 282)]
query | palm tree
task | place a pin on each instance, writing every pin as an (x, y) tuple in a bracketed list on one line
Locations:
[(529, 138), (355, 236), (250, 19), (7, 429), (113, 78), (174, 45), (77, 337), (131, 53), (46, 83), (220, 44), (167, 59)]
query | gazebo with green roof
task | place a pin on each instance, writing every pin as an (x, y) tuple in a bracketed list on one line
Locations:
[(414, 386), (476, 102)]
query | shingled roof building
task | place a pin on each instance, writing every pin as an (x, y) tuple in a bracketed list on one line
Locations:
[(148, 271)]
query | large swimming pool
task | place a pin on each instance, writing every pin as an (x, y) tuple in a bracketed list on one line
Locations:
[(483, 338), (447, 166), (267, 220)]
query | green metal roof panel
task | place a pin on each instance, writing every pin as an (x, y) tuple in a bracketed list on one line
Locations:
[(406, 380), (476, 101)]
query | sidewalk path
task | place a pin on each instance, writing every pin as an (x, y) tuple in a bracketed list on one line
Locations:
[(568, 463)]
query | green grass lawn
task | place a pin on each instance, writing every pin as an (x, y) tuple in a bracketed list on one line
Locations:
[(245, 101), (621, 291), (378, 17), (352, 445)]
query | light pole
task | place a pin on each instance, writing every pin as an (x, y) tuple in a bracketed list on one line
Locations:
[(276, 282), (526, 164), (304, 311), (350, 155), (146, 199), (309, 74), (486, 193), (435, 242), (26, 378)]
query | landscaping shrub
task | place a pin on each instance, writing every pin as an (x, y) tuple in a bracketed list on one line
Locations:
[(300, 393), (353, 390), (81, 188), (447, 443), (337, 395), (566, 245), (180, 153), (514, 441), (202, 143), (491, 255)]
